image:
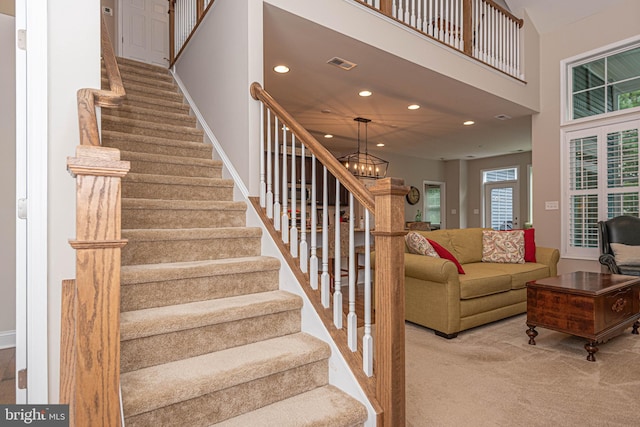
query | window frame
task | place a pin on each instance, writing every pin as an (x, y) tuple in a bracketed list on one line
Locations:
[(566, 68)]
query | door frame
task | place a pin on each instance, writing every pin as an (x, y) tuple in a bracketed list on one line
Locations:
[(32, 351), (443, 201), (486, 197)]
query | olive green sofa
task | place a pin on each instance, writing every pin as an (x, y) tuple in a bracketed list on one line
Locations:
[(439, 298)]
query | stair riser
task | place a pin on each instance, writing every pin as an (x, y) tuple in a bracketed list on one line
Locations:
[(191, 136), (154, 168), (206, 152), (127, 70), (158, 89), (158, 349), (167, 218), (233, 401), (181, 119), (155, 252), (139, 296), (144, 190), (169, 95), (140, 79)]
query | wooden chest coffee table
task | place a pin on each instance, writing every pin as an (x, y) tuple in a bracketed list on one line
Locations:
[(594, 306)]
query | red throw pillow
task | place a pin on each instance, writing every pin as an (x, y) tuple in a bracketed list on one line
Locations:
[(443, 253), (529, 244)]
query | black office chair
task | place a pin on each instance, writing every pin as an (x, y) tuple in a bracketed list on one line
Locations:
[(621, 229)]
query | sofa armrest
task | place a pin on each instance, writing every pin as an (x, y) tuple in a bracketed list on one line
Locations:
[(610, 262), (548, 257), (429, 268)]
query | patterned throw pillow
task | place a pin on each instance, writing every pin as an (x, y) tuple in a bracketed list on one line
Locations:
[(419, 245), (503, 247)]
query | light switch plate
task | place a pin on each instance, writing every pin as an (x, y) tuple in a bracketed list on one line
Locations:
[(551, 206)]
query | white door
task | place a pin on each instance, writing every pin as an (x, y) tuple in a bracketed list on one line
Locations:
[(145, 31), (502, 207)]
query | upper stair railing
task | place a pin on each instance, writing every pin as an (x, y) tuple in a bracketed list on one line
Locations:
[(481, 29), (90, 326), (184, 18), (310, 202)]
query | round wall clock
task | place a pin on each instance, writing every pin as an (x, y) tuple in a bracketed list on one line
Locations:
[(413, 196)]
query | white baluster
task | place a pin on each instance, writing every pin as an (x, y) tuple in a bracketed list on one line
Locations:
[(269, 197), (304, 250), (413, 13), (293, 238), (337, 267), (440, 23), (313, 260), (425, 17), (263, 186), (324, 279), (367, 340), (284, 224), (430, 19), (394, 9), (352, 318), (276, 178)]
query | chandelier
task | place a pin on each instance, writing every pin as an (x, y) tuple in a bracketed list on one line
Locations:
[(364, 165)]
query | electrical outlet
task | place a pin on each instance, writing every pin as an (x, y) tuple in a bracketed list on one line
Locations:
[(453, 211), (476, 211)]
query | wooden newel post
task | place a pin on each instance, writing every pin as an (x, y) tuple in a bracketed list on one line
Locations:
[(94, 389), (389, 298)]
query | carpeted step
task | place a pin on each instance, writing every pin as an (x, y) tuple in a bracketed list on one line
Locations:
[(141, 127), (149, 186), (194, 244), (156, 285), (159, 335), (322, 406), (155, 145), (210, 388), (169, 92), (144, 80), (153, 68), (155, 213), (140, 68), (157, 164), (156, 104), (141, 113)]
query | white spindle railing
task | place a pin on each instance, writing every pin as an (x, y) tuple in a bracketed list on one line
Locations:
[(290, 176), (493, 34)]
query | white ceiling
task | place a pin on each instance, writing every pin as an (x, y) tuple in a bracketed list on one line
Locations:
[(323, 98)]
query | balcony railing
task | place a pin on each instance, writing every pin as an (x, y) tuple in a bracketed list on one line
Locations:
[(481, 29)]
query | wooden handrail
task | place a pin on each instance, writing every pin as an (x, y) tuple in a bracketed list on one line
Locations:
[(338, 170), (90, 329), (505, 12)]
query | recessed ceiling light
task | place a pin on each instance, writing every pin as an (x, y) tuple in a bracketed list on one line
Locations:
[(328, 136), (469, 123), (380, 144), (281, 69), (413, 107), (365, 93)]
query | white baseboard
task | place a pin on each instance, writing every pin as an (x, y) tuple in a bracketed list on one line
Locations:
[(7, 339)]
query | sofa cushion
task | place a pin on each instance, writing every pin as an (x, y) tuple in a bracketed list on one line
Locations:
[(523, 273), (483, 279), (466, 244), (419, 245), (501, 247), (626, 254)]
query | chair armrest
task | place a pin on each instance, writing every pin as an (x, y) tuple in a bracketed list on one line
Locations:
[(549, 257), (610, 262)]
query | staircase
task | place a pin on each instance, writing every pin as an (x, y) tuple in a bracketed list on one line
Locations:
[(207, 337)]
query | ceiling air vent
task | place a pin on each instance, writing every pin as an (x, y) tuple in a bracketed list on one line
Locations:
[(503, 117), (341, 63)]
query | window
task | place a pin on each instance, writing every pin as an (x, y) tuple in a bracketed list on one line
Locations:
[(434, 203), (603, 166), (605, 84)]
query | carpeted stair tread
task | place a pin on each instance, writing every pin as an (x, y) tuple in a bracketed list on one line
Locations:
[(143, 80), (131, 86), (183, 205), (134, 67), (142, 65), (155, 104), (158, 386), (141, 113), (157, 285), (174, 160), (322, 406), (155, 145), (178, 180), (162, 320), (133, 274), (175, 187), (192, 234), (141, 127)]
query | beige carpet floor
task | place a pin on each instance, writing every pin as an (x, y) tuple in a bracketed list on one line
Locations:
[(491, 376)]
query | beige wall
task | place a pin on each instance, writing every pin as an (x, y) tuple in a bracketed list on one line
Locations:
[(8, 179), (618, 22), (8, 7), (474, 184)]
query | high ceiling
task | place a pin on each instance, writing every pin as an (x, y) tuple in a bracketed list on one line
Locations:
[(325, 100)]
